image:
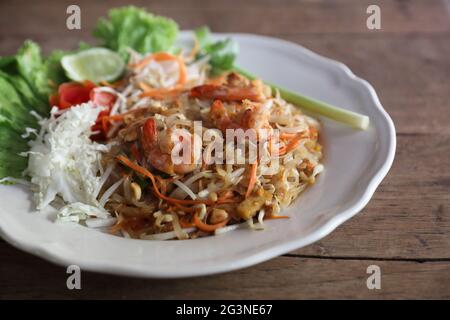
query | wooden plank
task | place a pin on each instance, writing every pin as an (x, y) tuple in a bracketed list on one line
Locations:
[(267, 17), (401, 67), (25, 276)]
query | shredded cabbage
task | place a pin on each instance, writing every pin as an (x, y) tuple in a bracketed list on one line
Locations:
[(63, 160), (76, 212)]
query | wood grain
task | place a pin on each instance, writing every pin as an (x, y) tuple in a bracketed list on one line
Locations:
[(405, 229), (281, 278), (266, 16)]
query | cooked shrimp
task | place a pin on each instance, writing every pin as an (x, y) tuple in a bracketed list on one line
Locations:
[(226, 93), (222, 117), (256, 116), (158, 148), (247, 115)]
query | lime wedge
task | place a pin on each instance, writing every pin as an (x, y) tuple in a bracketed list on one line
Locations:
[(96, 64)]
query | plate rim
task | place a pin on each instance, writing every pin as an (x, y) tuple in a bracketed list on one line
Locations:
[(264, 254)]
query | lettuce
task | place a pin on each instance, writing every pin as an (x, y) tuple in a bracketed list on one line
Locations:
[(12, 108), (14, 118), (11, 144), (222, 53), (32, 68), (53, 68), (131, 27), (26, 81), (29, 99), (25, 85)]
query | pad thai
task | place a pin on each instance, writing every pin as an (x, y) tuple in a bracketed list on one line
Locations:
[(150, 195), (178, 146)]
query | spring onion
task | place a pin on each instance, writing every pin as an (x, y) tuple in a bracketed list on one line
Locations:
[(353, 119)]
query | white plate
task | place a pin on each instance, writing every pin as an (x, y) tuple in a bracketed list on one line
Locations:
[(355, 164)]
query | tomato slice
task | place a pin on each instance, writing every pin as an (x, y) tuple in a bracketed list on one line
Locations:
[(72, 93)]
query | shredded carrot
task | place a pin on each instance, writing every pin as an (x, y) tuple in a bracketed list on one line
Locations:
[(276, 217), (105, 83), (158, 56), (106, 120), (208, 227), (184, 208), (124, 160), (164, 56), (116, 117), (252, 181), (285, 135), (159, 93), (105, 124), (162, 183), (313, 132), (226, 195), (145, 87), (182, 78), (112, 85), (186, 224), (292, 144)]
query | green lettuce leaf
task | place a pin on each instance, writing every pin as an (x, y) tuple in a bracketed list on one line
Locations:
[(29, 99), (54, 70), (14, 118), (12, 109), (26, 81), (131, 27), (24, 87), (32, 68), (12, 165), (222, 53)]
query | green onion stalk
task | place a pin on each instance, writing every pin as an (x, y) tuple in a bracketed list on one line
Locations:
[(353, 119)]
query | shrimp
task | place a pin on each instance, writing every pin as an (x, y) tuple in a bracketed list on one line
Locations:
[(225, 93), (256, 116), (221, 117), (158, 148), (248, 115), (233, 87)]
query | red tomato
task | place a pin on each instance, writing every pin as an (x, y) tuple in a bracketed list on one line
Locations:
[(72, 93)]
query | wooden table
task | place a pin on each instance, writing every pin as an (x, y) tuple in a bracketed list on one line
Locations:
[(405, 229)]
